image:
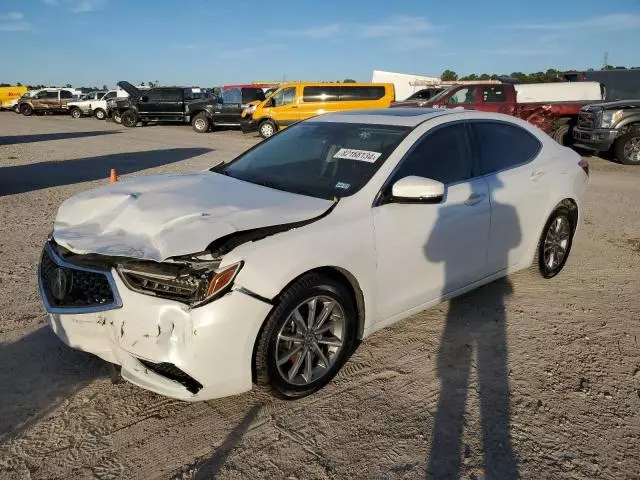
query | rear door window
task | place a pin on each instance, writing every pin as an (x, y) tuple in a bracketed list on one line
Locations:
[(501, 145), (320, 94), (361, 93), (493, 94), (66, 94)]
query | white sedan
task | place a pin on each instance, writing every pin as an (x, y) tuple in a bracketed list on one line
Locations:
[(269, 268)]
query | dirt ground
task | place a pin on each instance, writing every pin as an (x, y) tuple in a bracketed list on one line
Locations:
[(523, 378)]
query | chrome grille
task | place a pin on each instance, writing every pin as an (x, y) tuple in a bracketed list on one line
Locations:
[(68, 288), (588, 119)]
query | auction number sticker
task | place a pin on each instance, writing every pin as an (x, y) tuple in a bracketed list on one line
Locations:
[(361, 155)]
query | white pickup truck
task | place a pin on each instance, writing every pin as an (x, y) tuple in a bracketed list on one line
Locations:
[(95, 104)]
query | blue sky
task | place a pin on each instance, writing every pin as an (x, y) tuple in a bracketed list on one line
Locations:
[(211, 42)]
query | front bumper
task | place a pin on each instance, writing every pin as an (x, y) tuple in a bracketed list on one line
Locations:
[(600, 139), (211, 347), (248, 125)]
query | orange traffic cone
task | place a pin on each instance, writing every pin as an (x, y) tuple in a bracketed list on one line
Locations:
[(113, 177)]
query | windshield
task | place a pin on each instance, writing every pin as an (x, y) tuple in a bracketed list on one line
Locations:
[(319, 159), (442, 94)]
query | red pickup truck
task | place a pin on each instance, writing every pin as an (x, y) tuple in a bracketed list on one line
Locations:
[(555, 118)]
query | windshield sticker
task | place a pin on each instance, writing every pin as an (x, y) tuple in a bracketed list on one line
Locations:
[(343, 186), (360, 155)]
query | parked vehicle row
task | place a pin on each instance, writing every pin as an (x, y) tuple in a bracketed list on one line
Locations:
[(183, 105)]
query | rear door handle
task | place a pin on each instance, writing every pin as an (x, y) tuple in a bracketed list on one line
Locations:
[(474, 199), (537, 174)]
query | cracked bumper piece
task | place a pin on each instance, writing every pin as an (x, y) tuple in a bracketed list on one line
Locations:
[(169, 348)]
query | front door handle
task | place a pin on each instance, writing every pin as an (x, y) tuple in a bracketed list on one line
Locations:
[(536, 174), (474, 199)]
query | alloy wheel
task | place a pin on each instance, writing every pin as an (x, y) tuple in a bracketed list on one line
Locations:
[(632, 149), (310, 340), (200, 124), (556, 242)]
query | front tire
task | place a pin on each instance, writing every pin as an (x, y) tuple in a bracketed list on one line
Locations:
[(129, 119), (76, 113), (627, 148), (201, 123), (267, 129), (307, 338), (26, 110), (562, 135), (100, 114), (555, 243)]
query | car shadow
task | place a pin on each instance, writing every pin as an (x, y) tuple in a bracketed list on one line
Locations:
[(26, 178), (475, 329), (38, 373), (45, 137)]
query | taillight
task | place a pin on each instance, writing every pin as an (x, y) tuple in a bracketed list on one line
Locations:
[(584, 164)]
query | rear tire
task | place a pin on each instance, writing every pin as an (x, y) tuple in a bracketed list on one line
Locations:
[(26, 110), (627, 148), (201, 123), (267, 129), (296, 360), (76, 113), (129, 119), (100, 114), (555, 243)]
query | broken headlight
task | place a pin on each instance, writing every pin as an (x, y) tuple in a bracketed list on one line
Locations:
[(192, 282)]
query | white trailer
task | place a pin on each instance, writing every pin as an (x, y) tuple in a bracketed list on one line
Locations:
[(558, 92), (404, 84)]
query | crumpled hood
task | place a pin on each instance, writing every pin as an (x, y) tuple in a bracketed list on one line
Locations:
[(162, 216)]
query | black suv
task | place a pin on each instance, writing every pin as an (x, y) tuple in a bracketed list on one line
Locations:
[(611, 124), (182, 104)]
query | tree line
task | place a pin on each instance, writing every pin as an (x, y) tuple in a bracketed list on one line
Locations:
[(551, 75)]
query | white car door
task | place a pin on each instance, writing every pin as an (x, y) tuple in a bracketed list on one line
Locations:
[(517, 188), (427, 250)]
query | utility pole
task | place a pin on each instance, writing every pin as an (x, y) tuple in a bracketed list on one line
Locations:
[(605, 61)]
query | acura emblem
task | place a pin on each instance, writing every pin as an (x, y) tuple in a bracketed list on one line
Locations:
[(60, 283)]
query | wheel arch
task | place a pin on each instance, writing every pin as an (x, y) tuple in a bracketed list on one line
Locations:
[(338, 274)]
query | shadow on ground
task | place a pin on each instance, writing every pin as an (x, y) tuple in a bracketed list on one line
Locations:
[(45, 137), (35, 176), (38, 373)]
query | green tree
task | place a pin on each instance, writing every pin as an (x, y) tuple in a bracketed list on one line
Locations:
[(68, 85), (348, 80), (18, 84), (484, 76), (449, 76), (104, 87)]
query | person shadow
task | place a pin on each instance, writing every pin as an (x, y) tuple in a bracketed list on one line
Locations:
[(475, 322)]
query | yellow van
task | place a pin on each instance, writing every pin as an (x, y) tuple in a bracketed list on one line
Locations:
[(9, 96), (293, 102)]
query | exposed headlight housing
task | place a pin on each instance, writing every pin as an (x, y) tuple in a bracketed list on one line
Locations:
[(610, 118), (193, 283), (249, 110)]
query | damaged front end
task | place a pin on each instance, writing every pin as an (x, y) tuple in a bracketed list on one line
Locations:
[(84, 282)]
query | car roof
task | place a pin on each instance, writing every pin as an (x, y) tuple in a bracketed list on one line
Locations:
[(409, 117)]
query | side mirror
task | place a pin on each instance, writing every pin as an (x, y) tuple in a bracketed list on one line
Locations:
[(270, 102), (415, 189)]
